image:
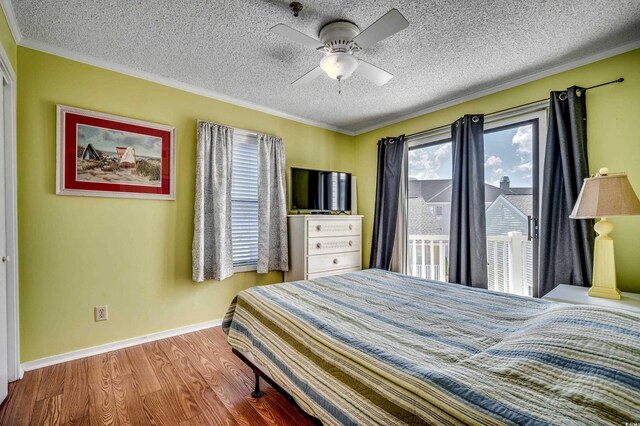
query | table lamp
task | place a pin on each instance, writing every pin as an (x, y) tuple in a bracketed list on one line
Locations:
[(602, 196)]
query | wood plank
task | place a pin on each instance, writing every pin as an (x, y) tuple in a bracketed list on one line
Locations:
[(21, 400), (47, 411), (181, 399), (231, 394), (127, 391), (52, 381), (171, 349), (214, 410), (75, 398), (142, 373), (196, 421), (102, 410), (157, 409), (118, 365), (84, 421)]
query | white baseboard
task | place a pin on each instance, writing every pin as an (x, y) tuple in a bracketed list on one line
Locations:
[(107, 347)]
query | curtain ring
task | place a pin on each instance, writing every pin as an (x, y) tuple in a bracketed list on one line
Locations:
[(475, 119), (563, 96), (457, 123), (578, 93)]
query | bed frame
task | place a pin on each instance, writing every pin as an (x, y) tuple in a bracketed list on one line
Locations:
[(257, 393)]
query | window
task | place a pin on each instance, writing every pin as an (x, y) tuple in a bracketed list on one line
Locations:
[(512, 157), (244, 201)]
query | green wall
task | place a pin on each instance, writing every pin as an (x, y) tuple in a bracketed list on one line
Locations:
[(613, 136), (7, 41), (133, 255)]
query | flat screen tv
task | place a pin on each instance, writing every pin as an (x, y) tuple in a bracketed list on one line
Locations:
[(320, 190)]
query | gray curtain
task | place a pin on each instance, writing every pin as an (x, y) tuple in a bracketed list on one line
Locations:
[(399, 255), (468, 241), (392, 154), (212, 254), (566, 245), (273, 245)]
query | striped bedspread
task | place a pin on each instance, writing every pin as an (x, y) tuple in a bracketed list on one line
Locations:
[(374, 347)]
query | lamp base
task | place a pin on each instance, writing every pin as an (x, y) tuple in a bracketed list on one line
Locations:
[(604, 266), (604, 292)]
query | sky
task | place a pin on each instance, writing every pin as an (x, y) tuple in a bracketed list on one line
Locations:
[(506, 153), (106, 140)]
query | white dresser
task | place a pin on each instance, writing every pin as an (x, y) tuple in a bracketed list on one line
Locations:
[(321, 245)]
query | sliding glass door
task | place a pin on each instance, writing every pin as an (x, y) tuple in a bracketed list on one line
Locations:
[(512, 162), (429, 209)]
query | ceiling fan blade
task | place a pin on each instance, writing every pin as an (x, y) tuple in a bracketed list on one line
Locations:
[(308, 77), (384, 27), (374, 74), (294, 35)]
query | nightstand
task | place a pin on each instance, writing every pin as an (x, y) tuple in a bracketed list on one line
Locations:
[(578, 295)]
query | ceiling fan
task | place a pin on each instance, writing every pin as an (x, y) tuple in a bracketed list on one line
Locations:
[(339, 40)]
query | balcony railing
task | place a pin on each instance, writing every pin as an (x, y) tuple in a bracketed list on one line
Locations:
[(509, 261)]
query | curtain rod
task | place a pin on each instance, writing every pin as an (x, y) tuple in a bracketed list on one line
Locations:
[(413, 135)]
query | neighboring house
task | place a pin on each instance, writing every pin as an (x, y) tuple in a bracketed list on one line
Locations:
[(430, 207), (509, 213)]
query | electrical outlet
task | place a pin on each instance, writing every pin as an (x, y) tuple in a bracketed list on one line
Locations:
[(101, 313)]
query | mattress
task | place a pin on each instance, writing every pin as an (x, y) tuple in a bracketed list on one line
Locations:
[(375, 347)]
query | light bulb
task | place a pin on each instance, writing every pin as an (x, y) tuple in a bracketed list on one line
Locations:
[(339, 65)]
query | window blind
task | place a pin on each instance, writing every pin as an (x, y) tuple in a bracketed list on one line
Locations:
[(244, 200)]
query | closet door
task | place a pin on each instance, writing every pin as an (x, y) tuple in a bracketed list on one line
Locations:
[(4, 382)]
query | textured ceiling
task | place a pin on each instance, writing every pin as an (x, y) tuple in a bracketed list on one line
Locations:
[(451, 47)]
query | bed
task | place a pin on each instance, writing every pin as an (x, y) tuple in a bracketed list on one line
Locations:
[(375, 347)]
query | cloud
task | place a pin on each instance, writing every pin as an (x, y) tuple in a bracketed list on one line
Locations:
[(493, 161), (524, 167), (431, 162), (524, 140), (107, 140)]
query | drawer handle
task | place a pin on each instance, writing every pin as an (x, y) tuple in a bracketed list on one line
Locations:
[(319, 245), (350, 227), (335, 261), (318, 227), (350, 243)]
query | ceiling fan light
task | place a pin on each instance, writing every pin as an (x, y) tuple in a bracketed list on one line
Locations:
[(339, 66)]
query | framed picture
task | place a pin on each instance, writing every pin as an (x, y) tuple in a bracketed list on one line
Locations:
[(104, 155)]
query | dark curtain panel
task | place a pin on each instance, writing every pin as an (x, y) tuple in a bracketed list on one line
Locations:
[(468, 240), (390, 159), (566, 245)]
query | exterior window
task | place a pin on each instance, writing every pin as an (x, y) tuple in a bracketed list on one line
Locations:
[(244, 201)]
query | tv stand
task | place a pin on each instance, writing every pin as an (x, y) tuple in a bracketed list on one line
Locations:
[(321, 245)]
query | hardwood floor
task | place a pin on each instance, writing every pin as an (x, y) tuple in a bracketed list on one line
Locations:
[(192, 379)]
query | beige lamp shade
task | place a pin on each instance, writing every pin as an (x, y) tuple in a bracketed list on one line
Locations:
[(606, 195)]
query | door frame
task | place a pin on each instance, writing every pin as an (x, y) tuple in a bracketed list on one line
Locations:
[(534, 113), (11, 207)]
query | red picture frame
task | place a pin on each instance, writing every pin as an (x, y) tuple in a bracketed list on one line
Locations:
[(104, 155)]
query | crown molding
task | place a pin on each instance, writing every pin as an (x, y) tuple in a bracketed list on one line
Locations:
[(504, 86), (176, 84), (86, 59), (10, 14)]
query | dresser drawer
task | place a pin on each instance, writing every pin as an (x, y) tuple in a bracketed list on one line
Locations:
[(325, 245), (333, 228), (329, 262), (328, 273)]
